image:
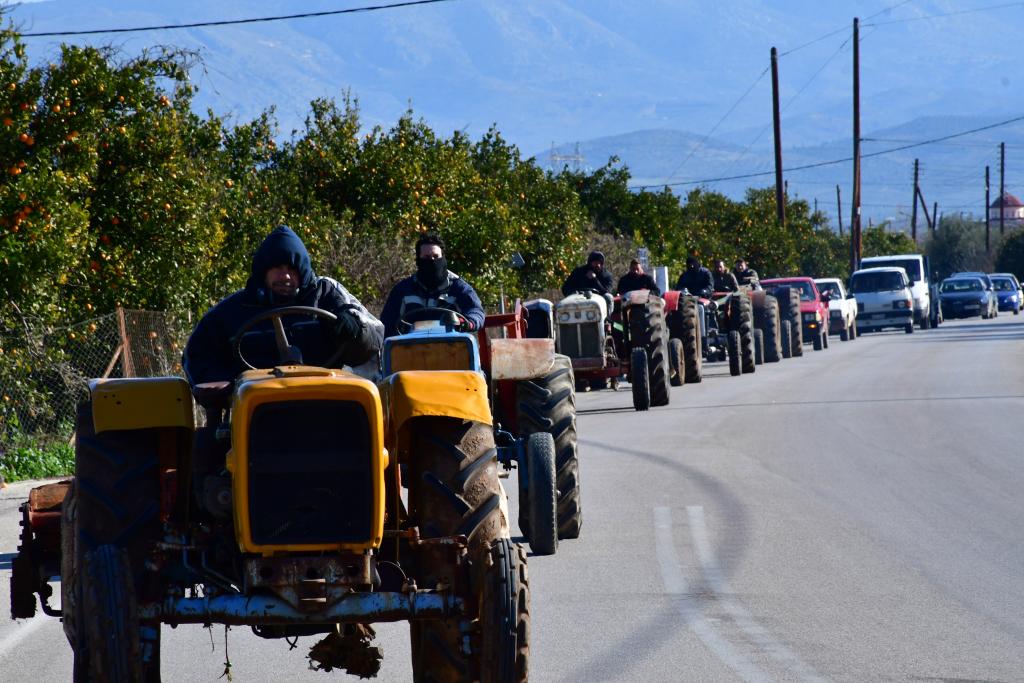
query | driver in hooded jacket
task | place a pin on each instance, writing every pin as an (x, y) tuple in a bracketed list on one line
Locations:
[(282, 276)]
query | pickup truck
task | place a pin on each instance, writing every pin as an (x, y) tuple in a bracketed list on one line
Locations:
[(842, 308), (813, 307)]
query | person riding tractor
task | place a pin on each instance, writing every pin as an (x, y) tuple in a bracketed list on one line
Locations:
[(591, 277), (282, 275), (432, 286), (636, 278), (724, 280), (745, 275), (696, 279)]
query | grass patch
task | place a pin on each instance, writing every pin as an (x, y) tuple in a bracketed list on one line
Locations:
[(24, 459)]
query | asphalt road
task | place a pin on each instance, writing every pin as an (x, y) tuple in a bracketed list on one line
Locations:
[(852, 515)]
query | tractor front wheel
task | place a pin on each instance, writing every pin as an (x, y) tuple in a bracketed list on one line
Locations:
[(638, 379), (504, 610), (786, 339), (539, 496), (733, 343), (675, 358), (692, 352)]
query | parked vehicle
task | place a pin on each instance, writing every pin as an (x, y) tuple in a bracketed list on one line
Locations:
[(1008, 294), (965, 296), (917, 269), (814, 314), (842, 308), (884, 299)]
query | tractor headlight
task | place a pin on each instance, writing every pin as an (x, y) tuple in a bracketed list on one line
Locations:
[(591, 315), (563, 317)]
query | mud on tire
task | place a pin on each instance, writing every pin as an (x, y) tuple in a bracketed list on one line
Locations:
[(453, 490), (548, 404), (111, 616)]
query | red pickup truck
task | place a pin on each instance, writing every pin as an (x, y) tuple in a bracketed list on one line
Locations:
[(813, 307)]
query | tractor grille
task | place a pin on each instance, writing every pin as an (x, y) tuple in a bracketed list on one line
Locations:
[(580, 341), (309, 473)]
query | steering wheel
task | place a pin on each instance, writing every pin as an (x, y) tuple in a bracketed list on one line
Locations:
[(449, 318), (288, 354)]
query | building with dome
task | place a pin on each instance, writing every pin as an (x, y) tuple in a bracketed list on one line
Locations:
[(1011, 207)]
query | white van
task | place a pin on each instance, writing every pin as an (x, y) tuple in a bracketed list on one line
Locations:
[(884, 299), (916, 267)]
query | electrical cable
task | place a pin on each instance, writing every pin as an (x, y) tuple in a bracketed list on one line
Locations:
[(232, 22), (947, 14)]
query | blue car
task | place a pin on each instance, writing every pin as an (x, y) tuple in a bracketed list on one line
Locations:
[(1008, 292), (963, 296)]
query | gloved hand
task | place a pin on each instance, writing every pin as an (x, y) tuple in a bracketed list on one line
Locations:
[(469, 326), (348, 326)]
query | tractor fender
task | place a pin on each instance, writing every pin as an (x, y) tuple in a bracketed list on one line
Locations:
[(141, 403), (521, 358), (438, 393), (671, 298)]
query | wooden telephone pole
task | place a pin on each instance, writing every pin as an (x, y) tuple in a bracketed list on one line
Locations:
[(913, 211), (780, 190), (988, 231), (839, 209), (1002, 188), (855, 242)]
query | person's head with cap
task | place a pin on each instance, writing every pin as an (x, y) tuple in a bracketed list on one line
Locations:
[(596, 261)]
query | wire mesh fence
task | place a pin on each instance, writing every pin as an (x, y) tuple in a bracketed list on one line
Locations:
[(44, 371)]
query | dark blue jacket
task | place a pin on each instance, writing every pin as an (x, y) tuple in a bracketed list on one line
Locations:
[(210, 353), (409, 294)]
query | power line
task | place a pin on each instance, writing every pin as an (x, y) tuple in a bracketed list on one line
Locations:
[(833, 162), (232, 22), (948, 14)]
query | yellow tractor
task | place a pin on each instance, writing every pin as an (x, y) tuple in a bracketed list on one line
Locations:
[(286, 513)]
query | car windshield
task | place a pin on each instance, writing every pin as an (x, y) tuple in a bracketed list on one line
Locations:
[(832, 288), (912, 266), (876, 282), (964, 285), (1003, 284), (802, 286)]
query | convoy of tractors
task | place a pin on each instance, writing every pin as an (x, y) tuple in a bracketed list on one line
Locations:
[(311, 501)]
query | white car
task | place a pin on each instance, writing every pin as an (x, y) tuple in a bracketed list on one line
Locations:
[(884, 299), (842, 308)]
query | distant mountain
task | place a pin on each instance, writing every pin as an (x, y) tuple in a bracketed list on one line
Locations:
[(564, 71)]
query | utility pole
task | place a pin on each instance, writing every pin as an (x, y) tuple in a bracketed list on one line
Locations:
[(780, 195), (988, 244), (815, 205), (855, 213), (913, 211), (839, 209), (1002, 188), (935, 218)]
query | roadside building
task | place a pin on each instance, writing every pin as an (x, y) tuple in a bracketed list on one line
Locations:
[(1011, 207)]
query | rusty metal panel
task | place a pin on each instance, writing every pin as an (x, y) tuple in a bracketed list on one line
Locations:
[(521, 358), (48, 497)]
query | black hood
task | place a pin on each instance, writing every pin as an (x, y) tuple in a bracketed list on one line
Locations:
[(280, 247)]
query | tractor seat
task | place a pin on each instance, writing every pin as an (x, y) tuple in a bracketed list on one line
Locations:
[(213, 396)]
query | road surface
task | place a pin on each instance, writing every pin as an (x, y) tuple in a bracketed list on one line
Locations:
[(852, 515)]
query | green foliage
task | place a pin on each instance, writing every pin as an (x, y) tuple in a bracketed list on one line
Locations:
[(1010, 258), (878, 240), (957, 245), (25, 458)]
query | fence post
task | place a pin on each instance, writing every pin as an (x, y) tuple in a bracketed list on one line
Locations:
[(126, 352)]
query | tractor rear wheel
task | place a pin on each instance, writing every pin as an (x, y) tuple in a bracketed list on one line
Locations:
[(758, 346), (648, 330), (733, 343), (504, 635), (538, 495), (690, 329), (818, 343), (766, 318), (453, 490), (844, 334), (676, 361), (786, 337), (111, 618), (741, 319), (548, 404), (789, 309), (638, 379)]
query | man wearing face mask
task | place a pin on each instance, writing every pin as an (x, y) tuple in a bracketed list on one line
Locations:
[(282, 275), (432, 286), (696, 279)]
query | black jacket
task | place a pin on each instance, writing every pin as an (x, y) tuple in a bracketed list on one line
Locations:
[(410, 294), (630, 282), (210, 353), (579, 282), (726, 282), (746, 277), (697, 282)]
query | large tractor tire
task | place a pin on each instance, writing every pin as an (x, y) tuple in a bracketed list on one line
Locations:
[(638, 380), (818, 343), (758, 346), (789, 309), (453, 490), (111, 618), (741, 319), (504, 609), (538, 495), (115, 503), (548, 404), (733, 344), (786, 337), (766, 319), (647, 329), (689, 329), (676, 361)]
